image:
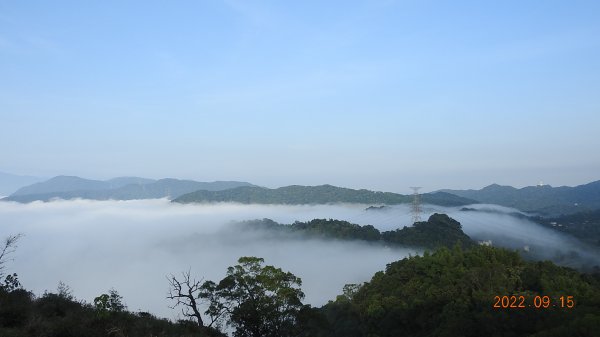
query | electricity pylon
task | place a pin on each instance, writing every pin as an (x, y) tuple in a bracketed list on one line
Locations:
[(416, 205)]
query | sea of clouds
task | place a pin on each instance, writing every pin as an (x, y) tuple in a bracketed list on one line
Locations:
[(132, 246)]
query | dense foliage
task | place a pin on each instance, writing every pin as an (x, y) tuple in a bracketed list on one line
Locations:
[(60, 315), (256, 300), (439, 230), (451, 293), (337, 229), (314, 195)]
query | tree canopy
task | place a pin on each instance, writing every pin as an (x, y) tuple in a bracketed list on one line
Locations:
[(451, 292), (255, 300), (438, 231)]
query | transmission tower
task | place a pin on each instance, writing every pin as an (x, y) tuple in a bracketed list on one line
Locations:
[(416, 205)]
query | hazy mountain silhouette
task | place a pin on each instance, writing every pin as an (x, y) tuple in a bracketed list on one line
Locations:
[(72, 183), (546, 200), (9, 183), (122, 188)]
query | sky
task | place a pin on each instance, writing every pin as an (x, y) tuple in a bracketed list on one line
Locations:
[(364, 94)]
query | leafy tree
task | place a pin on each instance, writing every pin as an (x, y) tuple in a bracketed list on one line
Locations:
[(11, 283), (254, 299), (64, 291), (259, 300), (109, 303)]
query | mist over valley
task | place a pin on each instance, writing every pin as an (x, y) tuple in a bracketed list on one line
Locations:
[(132, 245), (244, 168)]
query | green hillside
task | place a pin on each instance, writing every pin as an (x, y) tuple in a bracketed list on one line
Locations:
[(438, 231), (452, 292), (322, 194), (545, 200)]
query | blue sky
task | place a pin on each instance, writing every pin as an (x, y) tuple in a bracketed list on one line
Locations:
[(366, 94)]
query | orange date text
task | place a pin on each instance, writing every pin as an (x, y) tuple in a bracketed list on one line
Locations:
[(537, 302)]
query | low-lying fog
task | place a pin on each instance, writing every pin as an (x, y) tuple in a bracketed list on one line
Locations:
[(131, 246)]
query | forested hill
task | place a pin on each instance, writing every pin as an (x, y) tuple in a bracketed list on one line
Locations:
[(322, 194), (452, 292), (583, 225), (545, 200), (438, 231)]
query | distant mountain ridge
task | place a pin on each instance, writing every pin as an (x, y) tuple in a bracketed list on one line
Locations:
[(12, 182), (122, 188), (545, 200), (323, 194), (73, 183)]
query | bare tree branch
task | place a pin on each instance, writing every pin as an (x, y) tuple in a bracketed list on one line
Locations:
[(184, 293), (9, 247)]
